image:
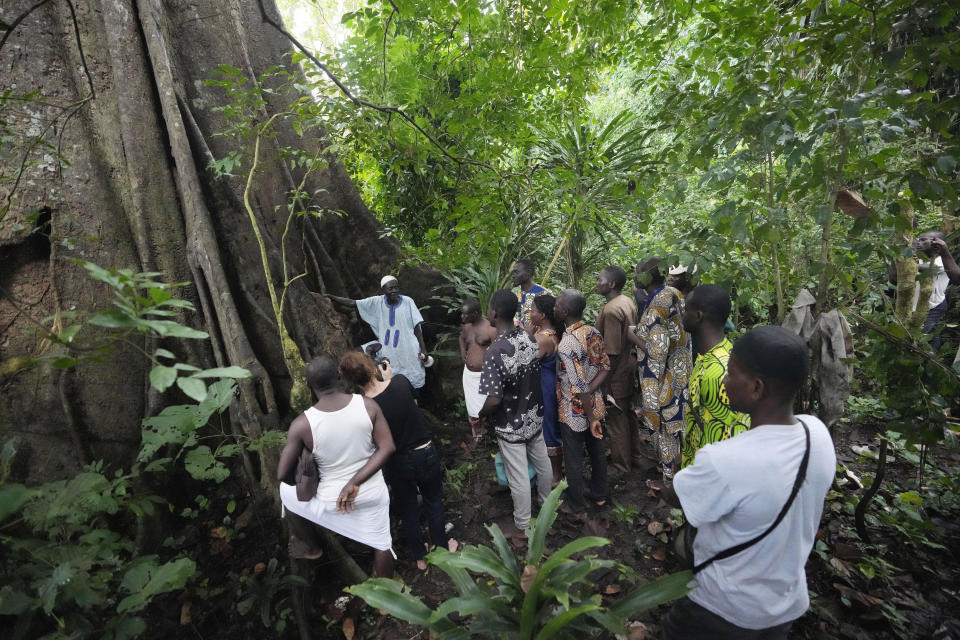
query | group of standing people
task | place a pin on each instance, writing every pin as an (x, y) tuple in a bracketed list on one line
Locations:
[(634, 374), (550, 386), (546, 379)]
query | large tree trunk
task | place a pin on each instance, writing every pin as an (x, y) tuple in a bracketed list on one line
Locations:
[(122, 84)]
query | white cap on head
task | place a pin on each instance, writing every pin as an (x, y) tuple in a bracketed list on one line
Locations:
[(385, 279), (680, 269)]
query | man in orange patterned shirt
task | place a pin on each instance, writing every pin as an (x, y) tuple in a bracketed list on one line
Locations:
[(584, 366)]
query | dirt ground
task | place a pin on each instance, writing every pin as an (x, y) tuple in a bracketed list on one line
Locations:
[(246, 590)]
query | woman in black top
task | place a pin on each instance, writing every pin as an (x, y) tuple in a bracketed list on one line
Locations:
[(416, 463)]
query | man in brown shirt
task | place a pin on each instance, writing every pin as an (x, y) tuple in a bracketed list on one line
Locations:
[(617, 314)]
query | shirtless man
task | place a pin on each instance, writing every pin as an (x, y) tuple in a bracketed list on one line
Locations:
[(475, 336)]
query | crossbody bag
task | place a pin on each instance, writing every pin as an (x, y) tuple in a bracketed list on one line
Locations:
[(689, 532)]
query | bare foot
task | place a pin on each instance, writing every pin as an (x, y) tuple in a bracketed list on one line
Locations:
[(300, 550)]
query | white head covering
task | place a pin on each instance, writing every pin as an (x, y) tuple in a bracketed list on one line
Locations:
[(679, 269), (385, 279)]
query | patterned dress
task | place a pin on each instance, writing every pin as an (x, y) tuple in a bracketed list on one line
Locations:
[(582, 358), (710, 418), (664, 369), (525, 298)]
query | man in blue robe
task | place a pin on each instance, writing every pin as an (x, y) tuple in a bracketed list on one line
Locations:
[(395, 320)]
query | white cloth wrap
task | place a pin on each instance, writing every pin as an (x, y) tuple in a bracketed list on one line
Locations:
[(471, 392), (342, 444)]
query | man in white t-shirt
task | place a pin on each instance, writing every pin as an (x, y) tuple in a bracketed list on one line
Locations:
[(735, 491), (944, 270)]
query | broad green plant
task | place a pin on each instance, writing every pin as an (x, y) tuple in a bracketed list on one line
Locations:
[(71, 565), (547, 595)]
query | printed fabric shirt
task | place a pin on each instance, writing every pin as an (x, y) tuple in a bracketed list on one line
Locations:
[(525, 298), (664, 368), (582, 357), (710, 418), (511, 372)]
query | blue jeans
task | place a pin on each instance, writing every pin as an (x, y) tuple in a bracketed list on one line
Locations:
[(408, 473)]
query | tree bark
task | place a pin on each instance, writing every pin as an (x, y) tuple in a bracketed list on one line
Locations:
[(123, 97)]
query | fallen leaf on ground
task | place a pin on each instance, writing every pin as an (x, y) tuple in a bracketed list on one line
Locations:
[(612, 589), (185, 617), (244, 519), (845, 551), (655, 527), (659, 553), (259, 568), (855, 596), (593, 527), (528, 576), (348, 629), (840, 567)]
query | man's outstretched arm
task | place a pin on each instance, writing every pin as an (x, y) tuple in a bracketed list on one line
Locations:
[(346, 302)]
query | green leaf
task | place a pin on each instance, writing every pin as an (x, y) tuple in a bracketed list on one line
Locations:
[(50, 588), (652, 594), (163, 353), (193, 387), (545, 519), (13, 603), (484, 560), (64, 363), (201, 464), (472, 605), (575, 546), (113, 319), (223, 372), (159, 294), (557, 623), (126, 627), (386, 594), (503, 548), (67, 334), (171, 329), (946, 163), (172, 575), (161, 377), (12, 497)]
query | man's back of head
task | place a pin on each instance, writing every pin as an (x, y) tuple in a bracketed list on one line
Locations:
[(777, 356), (322, 374), (504, 304), (712, 302), (574, 302)]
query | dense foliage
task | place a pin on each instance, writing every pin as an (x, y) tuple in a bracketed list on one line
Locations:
[(717, 134)]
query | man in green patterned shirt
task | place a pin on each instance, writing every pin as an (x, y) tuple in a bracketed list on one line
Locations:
[(710, 418)]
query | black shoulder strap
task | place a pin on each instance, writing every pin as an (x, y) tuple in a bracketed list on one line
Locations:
[(801, 475)]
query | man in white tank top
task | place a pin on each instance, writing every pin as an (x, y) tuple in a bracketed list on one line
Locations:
[(350, 441)]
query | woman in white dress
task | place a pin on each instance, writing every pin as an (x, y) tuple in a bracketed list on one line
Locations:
[(350, 441)]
